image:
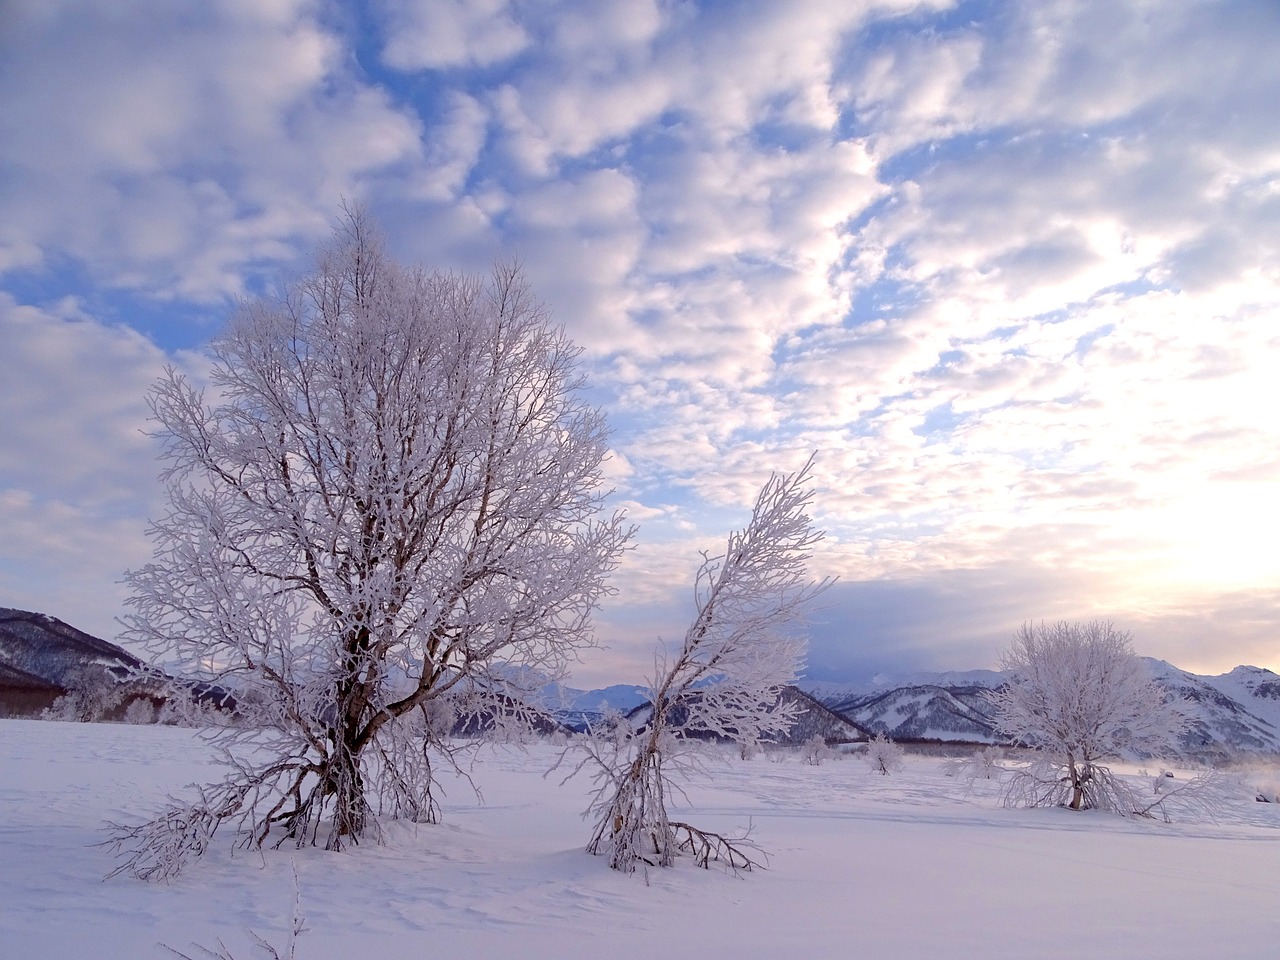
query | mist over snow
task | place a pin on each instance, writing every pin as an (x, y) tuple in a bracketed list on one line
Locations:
[(1011, 270)]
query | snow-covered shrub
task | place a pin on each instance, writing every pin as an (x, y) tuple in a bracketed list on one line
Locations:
[(140, 711), (814, 750), (1173, 797), (175, 712), (984, 764), (183, 708), (66, 708), (884, 755)]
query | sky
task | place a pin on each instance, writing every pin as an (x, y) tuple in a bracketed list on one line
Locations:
[(1011, 270)]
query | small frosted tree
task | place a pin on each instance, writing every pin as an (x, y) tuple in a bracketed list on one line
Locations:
[(1079, 694), (984, 764), (743, 647), (884, 755), (92, 694), (386, 510), (814, 750), (140, 711)]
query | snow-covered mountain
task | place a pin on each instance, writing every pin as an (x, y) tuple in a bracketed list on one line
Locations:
[(1257, 689), (577, 707), (815, 719), (40, 657), (45, 647), (951, 706), (1233, 712), (923, 712), (832, 691), (1228, 712), (1237, 711)]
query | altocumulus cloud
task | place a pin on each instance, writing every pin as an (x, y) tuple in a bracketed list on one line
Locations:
[(1010, 270)]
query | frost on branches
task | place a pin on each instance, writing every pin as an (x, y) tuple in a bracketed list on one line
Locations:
[(1079, 694), (384, 512), (725, 683), (884, 756)]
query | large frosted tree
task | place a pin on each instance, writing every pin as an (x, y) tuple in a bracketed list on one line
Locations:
[(383, 508)]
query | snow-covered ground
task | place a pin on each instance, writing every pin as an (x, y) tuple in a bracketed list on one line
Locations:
[(919, 864)]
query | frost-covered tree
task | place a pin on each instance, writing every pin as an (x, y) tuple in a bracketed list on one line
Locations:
[(140, 711), (984, 764), (725, 682), (884, 755), (815, 749), (1079, 694), (93, 693), (384, 508)]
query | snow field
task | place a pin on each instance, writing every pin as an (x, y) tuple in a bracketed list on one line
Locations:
[(918, 864)]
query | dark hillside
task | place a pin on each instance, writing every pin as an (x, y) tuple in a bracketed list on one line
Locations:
[(814, 719), (23, 694), (42, 658), (53, 651)]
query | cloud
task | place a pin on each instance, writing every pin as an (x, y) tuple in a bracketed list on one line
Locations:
[(180, 154), (1081, 109), (454, 145), (77, 472), (1011, 271), (965, 619), (432, 34), (75, 404)]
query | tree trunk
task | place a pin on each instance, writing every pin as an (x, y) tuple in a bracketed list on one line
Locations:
[(345, 784), (1077, 784), (343, 781)]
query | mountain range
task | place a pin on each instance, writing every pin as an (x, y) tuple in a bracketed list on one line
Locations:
[(1231, 713), (1239, 711)]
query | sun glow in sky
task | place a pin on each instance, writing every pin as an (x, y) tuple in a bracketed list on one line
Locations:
[(1013, 270)]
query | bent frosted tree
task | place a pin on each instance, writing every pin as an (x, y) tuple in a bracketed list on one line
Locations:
[(1079, 694), (725, 682), (383, 509)]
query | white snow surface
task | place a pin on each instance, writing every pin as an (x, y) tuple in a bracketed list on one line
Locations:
[(922, 864)]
